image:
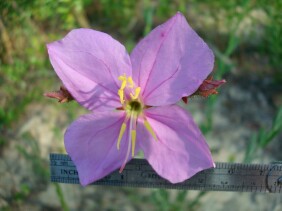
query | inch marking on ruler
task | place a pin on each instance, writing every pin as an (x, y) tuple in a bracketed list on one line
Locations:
[(236, 177)]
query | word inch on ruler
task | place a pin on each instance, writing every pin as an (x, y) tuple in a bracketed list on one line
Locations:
[(138, 173)]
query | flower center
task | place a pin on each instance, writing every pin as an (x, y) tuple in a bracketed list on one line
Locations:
[(129, 96), (134, 106)]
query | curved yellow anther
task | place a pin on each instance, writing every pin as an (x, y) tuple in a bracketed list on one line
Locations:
[(123, 84), (130, 81), (136, 94), (123, 80), (133, 140), (121, 132), (121, 95), (122, 77), (150, 129)]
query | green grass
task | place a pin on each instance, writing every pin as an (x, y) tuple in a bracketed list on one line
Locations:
[(260, 140)]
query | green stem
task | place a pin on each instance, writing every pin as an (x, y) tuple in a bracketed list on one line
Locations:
[(61, 197)]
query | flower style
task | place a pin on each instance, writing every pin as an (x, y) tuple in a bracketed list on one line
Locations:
[(132, 99)]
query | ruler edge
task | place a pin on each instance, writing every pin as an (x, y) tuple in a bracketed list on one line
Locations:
[(217, 164)]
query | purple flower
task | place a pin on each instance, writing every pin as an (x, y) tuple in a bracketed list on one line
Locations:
[(132, 99)]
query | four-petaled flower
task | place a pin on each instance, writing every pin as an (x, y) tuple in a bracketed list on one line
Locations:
[(133, 100)]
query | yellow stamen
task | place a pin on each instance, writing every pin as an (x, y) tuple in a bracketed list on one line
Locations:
[(123, 84), (136, 95), (121, 95), (121, 132), (130, 81), (122, 87), (150, 129), (122, 77), (133, 139)]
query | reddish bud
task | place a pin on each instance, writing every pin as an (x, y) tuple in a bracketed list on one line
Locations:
[(62, 95), (209, 86)]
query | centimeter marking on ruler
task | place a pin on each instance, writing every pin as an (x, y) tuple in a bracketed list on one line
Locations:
[(236, 177)]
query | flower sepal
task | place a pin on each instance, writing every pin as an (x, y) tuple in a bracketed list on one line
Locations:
[(207, 88), (61, 95)]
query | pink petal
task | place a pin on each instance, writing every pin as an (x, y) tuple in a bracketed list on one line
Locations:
[(89, 63), (91, 143), (181, 150), (171, 62)]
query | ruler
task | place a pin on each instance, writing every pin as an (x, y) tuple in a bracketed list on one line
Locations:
[(236, 177)]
